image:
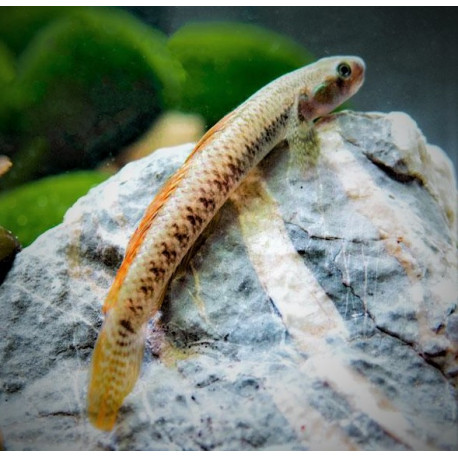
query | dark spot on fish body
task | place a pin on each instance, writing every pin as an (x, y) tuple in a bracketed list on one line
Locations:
[(158, 272), (146, 289), (208, 203), (182, 238), (218, 184), (284, 116), (236, 171), (269, 132), (217, 175), (252, 149), (191, 219), (170, 255), (225, 177), (136, 310), (240, 164), (225, 183), (127, 325)]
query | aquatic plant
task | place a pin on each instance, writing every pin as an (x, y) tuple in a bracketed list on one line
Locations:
[(32, 208), (7, 65), (18, 24), (227, 62), (87, 83)]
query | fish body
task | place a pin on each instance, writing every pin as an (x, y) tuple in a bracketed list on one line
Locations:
[(186, 204)]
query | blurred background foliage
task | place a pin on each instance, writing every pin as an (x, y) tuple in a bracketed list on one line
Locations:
[(225, 63), (87, 82), (50, 196), (88, 89)]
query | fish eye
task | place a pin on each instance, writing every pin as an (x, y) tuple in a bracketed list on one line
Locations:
[(344, 70)]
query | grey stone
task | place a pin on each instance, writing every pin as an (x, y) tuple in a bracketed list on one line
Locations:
[(345, 338)]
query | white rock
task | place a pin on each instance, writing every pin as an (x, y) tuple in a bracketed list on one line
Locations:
[(320, 314)]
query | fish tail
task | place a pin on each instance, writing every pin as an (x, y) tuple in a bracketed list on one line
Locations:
[(116, 362)]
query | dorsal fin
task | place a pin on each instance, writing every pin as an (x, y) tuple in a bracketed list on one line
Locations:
[(208, 136)]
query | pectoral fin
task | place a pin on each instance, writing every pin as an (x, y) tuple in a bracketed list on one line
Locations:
[(301, 136), (304, 149)]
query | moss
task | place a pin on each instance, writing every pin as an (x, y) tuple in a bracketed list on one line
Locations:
[(89, 83), (98, 44), (227, 62), (7, 66), (18, 24), (31, 209), (7, 76)]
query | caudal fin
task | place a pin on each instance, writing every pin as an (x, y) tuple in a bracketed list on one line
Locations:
[(115, 367)]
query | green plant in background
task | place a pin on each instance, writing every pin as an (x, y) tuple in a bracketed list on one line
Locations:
[(18, 25), (7, 65), (87, 83), (7, 76), (227, 62), (33, 208)]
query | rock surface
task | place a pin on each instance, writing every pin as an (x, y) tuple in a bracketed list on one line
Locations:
[(319, 314)]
